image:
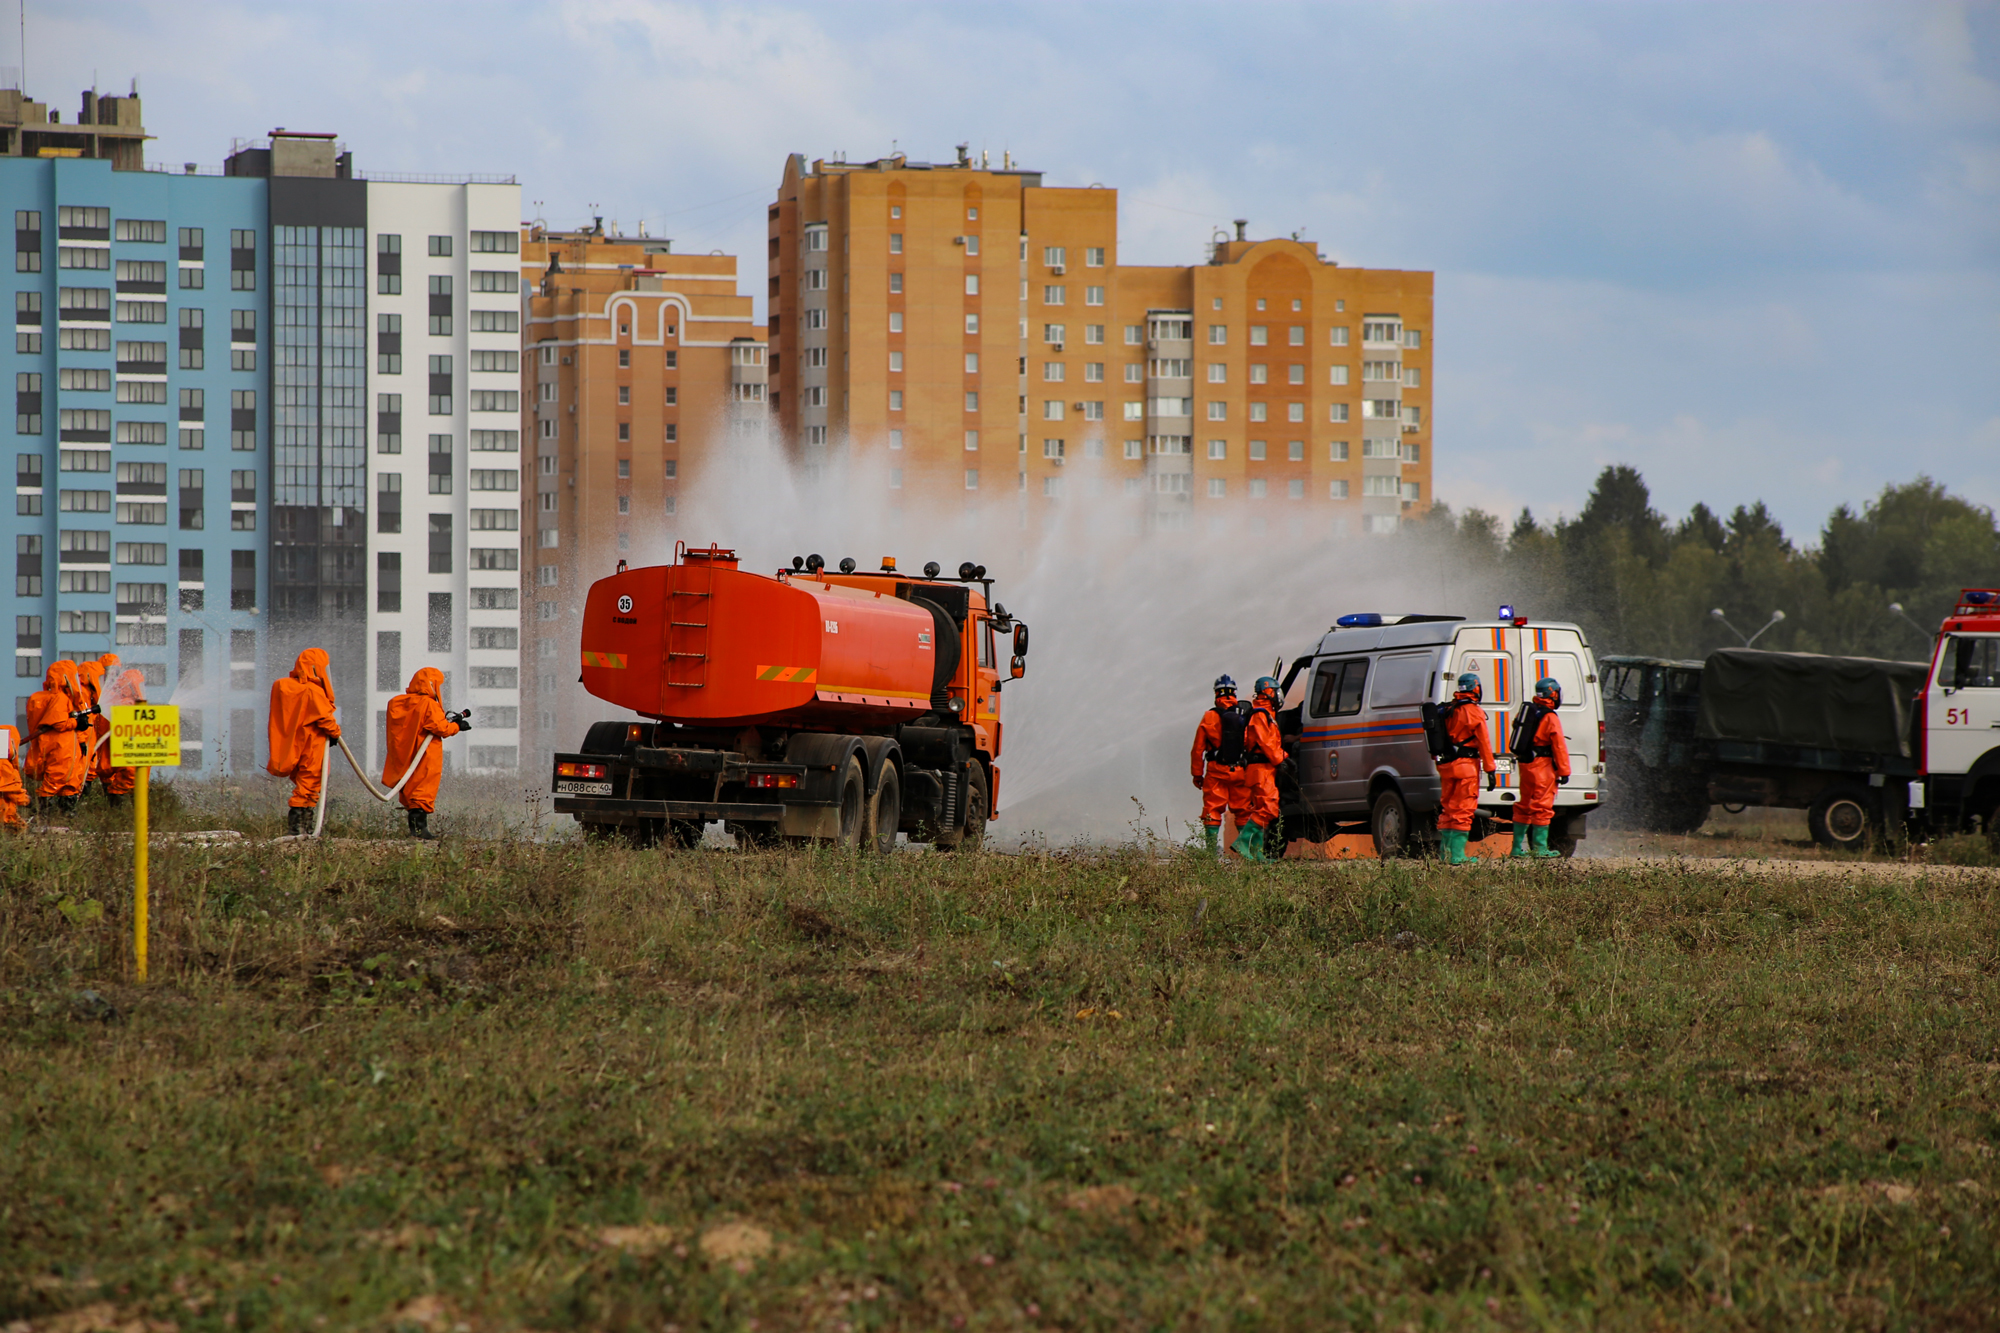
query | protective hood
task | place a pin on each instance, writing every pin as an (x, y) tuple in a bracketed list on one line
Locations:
[(110, 663), (62, 676), (129, 688), (428, 682), (311, 668), (91, 675)]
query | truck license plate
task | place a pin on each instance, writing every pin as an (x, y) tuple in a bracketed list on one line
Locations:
[(570, 787)]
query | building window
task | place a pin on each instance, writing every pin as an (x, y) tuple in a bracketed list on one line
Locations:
[(1257, 451), (243, 260), (972, 401), (439, 306), (1218, 411), (1413, 378), (1052, 334), (1295, 412), (389, 423), (1093, 411), (1093, 372), (1258, 411), (971, 324), (895, 363), (1093, 256), (1336, 490), (1336, 412), (895, 400), (972, 284), (1052, 409), (1054, 295), (972, 479), (1093, 296), (440, 465), (1218, 449), (1052, 256), (388, 344), (440, 386), (1052, 372), (1217, 488), (388, 265), (1258, 486), (1298, 334), (1135, 335), (1053, 449)]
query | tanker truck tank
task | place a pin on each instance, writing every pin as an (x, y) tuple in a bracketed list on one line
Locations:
[(850, 706)]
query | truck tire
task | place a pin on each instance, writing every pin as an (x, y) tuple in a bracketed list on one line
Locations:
[(1389, 821), (974, 832), (885, 811), (851, 799), (1843, 819)]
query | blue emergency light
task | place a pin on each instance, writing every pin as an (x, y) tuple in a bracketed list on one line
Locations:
[(1360, 620), (1979, 597), (1506, 613)]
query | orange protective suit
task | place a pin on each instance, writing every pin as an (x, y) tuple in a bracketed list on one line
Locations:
[(413, 715), (52, 752), (1538, 776), (1267, 751), (301, 724), (107, 675), (129, 688), (1221, 784), (13, 792), (91, 673), (1466, 726)]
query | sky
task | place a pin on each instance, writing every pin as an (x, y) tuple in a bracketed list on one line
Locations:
[(1751, 250)]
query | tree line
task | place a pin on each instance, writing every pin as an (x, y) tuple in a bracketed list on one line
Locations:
[(1641, 583)]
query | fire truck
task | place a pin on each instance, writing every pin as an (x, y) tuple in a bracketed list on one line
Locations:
[(806, 705)]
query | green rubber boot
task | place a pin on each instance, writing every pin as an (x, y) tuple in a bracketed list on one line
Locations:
[(1209, 836), (1452, 843), (1520, 851), (1538, 840), (1249, 843)]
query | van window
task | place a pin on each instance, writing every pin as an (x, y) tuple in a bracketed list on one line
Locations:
[(1495, 670), (1567, 671), (1401, 680), (1336, 688)]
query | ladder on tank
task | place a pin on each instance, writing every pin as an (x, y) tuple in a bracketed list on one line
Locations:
[(688, 616)]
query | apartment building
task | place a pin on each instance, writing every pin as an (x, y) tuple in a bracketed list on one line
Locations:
[(192, 362), (974, 329), (641, 366)]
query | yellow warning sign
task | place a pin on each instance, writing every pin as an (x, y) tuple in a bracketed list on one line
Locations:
[(145, 736)]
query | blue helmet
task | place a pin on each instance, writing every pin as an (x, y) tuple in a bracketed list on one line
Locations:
[(1225, 684), (1267, 683), (1550, 686), (1470, 681)]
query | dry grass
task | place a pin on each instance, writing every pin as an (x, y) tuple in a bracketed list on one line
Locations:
[(509, 1085)]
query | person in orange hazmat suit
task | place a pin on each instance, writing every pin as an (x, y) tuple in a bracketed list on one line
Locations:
[(1471, 753), (301, 723), (413, 715), (129, 688), (1541, 756), (55, 714), (13, 792), (91, 674), (1216, 762), (1264, 750)]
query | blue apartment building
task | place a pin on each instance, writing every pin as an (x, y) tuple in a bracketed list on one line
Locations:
[(140, 361)]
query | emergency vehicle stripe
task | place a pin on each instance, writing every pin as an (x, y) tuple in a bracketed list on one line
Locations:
[(789, 675), (613, 660), (1364, 731), (1541, 640), (1498, 646), (1542, 667)]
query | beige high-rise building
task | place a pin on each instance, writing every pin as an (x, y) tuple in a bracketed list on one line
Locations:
[(638, 365), (975, 328)]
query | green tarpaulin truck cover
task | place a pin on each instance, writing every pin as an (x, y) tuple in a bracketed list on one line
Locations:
[(1828, 703)]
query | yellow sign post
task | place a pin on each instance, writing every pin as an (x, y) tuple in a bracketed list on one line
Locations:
[(145, 737)]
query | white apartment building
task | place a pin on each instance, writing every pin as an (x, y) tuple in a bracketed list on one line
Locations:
[(444, 540)]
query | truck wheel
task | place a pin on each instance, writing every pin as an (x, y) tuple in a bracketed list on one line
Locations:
[(853, 803), (1842, 819), (974, 834), (1389, 821), (884, 813)]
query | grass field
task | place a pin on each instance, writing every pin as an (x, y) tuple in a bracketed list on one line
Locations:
[(508, 1085)]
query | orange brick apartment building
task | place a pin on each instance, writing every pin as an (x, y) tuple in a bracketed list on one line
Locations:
[(974, 328), (637, 365)]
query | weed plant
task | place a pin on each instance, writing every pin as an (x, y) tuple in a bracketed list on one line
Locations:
[(517, 1084)]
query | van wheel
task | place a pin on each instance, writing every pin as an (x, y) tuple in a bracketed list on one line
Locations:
[(884, 813), (1560, 838), (1389, 821), (1842, 819), (853, 802)]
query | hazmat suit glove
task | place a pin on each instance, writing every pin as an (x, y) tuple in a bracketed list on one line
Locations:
[(1197, 784), (1492, 780), (1562, 780)]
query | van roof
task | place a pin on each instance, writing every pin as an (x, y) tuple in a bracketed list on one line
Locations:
[(1409, 632)]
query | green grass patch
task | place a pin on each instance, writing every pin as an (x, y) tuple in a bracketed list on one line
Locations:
[(505, 1084)]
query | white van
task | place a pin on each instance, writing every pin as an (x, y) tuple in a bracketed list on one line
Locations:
[(1352, 720)]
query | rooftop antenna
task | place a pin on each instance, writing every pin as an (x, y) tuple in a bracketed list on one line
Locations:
[(24, 48)]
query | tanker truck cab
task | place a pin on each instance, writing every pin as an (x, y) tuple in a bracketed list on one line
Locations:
[(1354, 710), (809, 704), (1961, 719)]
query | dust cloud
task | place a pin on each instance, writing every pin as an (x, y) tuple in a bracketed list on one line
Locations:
[(1128, 631)]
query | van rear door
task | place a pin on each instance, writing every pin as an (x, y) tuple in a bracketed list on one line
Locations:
[(1559, 654), (1492, 652)]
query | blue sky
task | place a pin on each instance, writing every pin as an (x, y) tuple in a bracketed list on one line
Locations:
[(1752, 250)]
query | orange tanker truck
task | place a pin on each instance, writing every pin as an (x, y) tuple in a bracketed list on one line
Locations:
[(808, 705)]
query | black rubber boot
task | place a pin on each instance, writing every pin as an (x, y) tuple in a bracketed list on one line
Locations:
[(420, 825), (295, 821), (113, 799), (66, 804)]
